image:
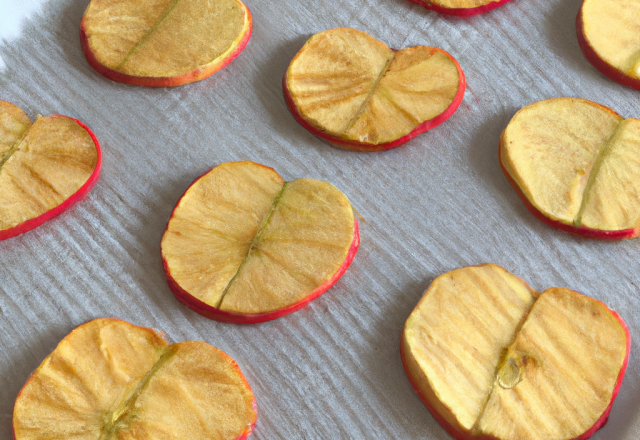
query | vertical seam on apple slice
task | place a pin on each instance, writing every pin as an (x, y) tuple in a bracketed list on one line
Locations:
[(148, 34), (15, 148), (594, 172), (370, 96), (123, 414), (263, 226), (503, 359)]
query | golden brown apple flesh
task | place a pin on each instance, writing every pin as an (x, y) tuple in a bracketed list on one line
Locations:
[(576, 164), (109, 379), (493, 358), (243, 245), (44, 167), (357, 93), (163, 42)]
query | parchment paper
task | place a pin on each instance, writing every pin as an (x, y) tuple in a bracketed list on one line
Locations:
[(331, 370)]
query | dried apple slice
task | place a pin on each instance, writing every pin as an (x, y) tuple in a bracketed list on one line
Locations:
[(491, 358), (244, 246), (608, 35), (349, 89), (576, 166), (109, 379), (461, 8), (162, 43), (45, 167)]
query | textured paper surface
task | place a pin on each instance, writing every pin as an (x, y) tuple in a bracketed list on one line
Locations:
[(331, 370)]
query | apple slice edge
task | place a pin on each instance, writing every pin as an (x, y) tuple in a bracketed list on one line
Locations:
[(601, 65), (70, 201), (456, 432), (365, 147), (186, 78), (596, 234), (243, 436), (460, 12), (216, 314)]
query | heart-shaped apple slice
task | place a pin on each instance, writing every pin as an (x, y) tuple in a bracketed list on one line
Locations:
[(109, 379), (244, 246), (45, 167), (354, 92), (608, 35), (491, 358), (576, 166), (461, 8), (163, 43)]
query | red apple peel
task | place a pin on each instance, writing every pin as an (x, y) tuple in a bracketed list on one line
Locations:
[(360, 146), (460, 12), (579, 230), (69, 202), (601, 65)]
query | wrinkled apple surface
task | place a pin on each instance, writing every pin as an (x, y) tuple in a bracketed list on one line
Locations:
[(109, 379), (576, 165), (461, 8), (608, 35), (45, 167), (162, 43), (243, 245), (493, 359), (353, 91)]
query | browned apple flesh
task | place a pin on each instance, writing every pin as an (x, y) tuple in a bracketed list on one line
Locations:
[(577, 162), (41, 164), (350, 86), (163, 38), (111, 380), (612, 29), (244, 241), (493, 357)]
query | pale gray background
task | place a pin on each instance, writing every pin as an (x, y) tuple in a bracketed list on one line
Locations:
[(331, 370)]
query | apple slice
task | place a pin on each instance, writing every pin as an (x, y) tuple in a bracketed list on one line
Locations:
[(45, 167), (461, 8), (354, 92), (161, 43), (109, 379), (493, 359), (576, 166), (244, 246), (608, 35)]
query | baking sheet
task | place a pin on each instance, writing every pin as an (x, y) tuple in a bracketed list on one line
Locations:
[(331, 370)]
